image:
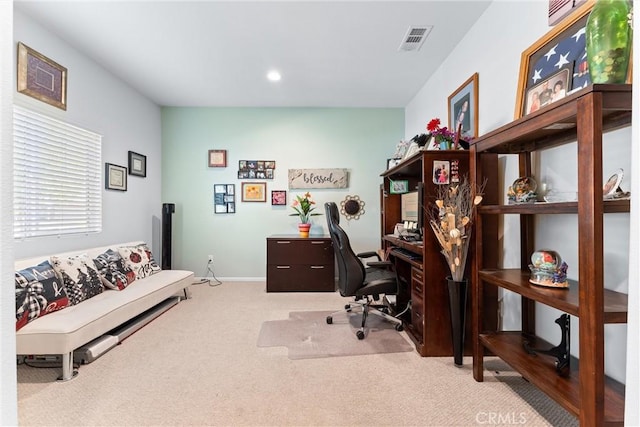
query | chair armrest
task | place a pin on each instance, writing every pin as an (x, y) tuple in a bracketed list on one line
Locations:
[(380, 264), (369, 254)]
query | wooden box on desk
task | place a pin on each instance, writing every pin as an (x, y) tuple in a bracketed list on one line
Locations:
[(424, 278), (300, 264)]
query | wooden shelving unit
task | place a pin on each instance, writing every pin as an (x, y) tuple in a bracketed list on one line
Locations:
[(583, 117)]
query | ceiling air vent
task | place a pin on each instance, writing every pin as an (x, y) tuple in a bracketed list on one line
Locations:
[(414, 37)]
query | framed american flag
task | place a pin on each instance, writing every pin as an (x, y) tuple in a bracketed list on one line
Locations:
[(562, 48)]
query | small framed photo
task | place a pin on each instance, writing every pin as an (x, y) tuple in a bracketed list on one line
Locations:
[(278, 197), (463, 108), (115, 177), (441, 172), (41, 78), (547, 91), (217, 158), (137, 164), (413, 149), (254, 191), (392, 162), (398, 186)]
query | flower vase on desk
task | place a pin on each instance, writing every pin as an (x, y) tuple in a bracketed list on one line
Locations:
[(608, 38), (303, 229), (457, 310)]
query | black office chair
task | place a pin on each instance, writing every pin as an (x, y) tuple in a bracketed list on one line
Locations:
[(365, 284)]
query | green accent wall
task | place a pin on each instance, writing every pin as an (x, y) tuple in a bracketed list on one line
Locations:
[(358, 139)]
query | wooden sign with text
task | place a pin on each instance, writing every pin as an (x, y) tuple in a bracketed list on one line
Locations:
[(318, 178)]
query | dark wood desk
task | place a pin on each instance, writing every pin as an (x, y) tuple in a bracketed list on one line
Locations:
[(300, 264)]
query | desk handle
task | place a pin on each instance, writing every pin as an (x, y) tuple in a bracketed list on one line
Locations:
[(283, 241), (317, 242), (317, 267), (283, 267)]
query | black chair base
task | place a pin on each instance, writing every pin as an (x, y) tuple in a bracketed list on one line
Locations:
[(367, 308)]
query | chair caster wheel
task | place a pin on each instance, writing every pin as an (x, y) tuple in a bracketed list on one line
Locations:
[(329, 320), (348, 308), (399, 327), (360, 335)]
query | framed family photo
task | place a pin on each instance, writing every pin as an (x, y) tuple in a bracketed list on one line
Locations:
[(463, 108), (548, 90)]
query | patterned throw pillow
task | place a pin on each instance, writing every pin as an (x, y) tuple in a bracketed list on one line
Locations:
[(39, 291), (113, 271), (140, 259), (81, 280)]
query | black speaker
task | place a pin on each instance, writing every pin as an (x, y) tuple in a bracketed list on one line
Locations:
[(167, 210)]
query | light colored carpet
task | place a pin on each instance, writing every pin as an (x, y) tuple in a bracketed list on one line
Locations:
[(198, 365), (307, 335)]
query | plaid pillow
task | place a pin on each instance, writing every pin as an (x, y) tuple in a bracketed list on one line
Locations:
[(139, 259), (39, 291), (113, 270), (81, 280)]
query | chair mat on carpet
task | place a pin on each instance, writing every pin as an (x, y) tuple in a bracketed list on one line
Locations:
[(307, 335)]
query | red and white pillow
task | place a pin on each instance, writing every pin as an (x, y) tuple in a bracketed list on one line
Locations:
[(113, 270), (139, 259), (39, 291)]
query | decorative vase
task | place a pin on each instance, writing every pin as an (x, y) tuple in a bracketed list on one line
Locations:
[(303, 229), (608, 38), (457, 310)]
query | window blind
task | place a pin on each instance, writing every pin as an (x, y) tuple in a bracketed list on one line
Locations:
[(57, 177)]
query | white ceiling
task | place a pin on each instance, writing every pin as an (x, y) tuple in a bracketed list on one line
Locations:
[(217, 53)]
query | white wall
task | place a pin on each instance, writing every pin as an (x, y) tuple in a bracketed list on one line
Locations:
[(493, 48), (99, 102), (8, 401)]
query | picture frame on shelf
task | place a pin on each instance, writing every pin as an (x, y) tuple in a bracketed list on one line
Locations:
[(463, 108), (392, 162), (413, 149), (217, 158), (115, 177), (254, 191), (33, 67), (398, 186), (542, 59), (548, 90), (137, 164), (278, 197)]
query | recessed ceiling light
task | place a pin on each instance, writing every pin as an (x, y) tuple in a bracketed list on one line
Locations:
[(274, 76)]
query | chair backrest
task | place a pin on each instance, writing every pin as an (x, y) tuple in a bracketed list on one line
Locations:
[(351, 272)]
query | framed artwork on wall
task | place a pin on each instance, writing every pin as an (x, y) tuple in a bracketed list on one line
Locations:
[(278, 197), (137, 164), (217, 158), (254, 191), (224, 198), (115, 177), (41, 78), (463, 108)]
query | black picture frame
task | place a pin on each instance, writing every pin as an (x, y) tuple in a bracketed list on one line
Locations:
[(137, 164), (115, 177)]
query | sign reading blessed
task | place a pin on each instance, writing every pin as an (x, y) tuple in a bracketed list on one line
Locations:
[(318, 178)]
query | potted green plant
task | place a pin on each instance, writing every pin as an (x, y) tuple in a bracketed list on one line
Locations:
[(304, 206)]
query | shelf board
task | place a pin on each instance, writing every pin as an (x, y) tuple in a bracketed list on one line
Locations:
[(556, 124), (566, 300), (540, 371), (541, 208)]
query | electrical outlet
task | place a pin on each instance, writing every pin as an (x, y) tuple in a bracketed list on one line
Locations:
[(210, 258)]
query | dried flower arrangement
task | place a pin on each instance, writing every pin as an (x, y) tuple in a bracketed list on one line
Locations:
[(452, 220)]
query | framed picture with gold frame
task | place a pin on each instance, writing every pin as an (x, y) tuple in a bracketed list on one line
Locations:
[(463, 108), (254, 191), (41, 78), (562, 46)]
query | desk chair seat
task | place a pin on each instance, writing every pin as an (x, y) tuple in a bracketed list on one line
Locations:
[(365, 284)]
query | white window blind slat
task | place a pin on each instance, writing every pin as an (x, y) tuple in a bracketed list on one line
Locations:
[(57, 177)]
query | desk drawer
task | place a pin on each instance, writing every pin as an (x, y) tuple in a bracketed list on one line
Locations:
[(417, 282), (292, 251), (300, 278), (417, 315)]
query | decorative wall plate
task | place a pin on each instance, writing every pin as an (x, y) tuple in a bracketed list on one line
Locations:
[(352, 207)]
